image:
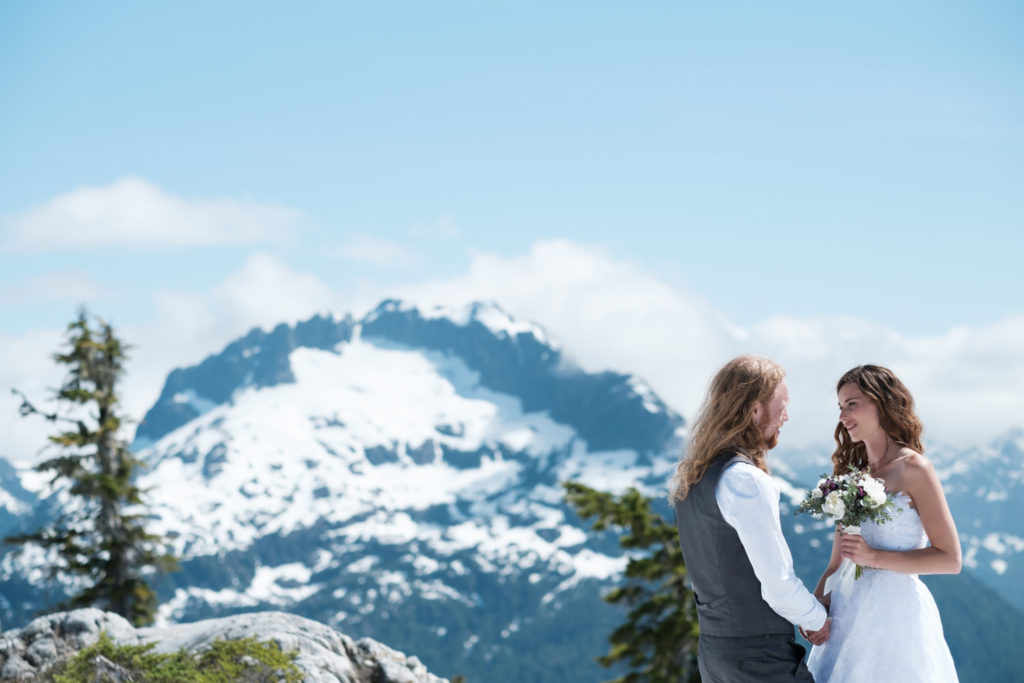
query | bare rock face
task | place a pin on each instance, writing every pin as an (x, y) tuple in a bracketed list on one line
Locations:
[(27, 651), (325, 655)]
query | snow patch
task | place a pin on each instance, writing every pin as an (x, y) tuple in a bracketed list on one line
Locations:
[(646, 394), (12, 504), (198, 403), (282, 585)]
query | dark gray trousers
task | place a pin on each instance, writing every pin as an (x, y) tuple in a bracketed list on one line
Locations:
[(751, 659)]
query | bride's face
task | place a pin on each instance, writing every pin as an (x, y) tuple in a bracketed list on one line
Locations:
[(857, 412)]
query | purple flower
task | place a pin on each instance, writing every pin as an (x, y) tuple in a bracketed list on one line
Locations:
[(860, 491)]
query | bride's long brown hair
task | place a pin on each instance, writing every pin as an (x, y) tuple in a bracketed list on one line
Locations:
[(726, 419), (895, 414)]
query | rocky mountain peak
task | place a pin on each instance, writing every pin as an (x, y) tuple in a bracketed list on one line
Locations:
[(608, 409)]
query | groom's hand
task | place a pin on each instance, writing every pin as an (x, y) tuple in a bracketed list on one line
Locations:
[(820, 636)]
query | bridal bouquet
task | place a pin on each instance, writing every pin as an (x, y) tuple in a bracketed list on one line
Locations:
[(849, 500)]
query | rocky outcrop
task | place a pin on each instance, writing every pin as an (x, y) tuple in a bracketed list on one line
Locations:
[(324, 655)]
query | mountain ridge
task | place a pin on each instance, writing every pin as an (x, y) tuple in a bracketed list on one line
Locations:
[(404, 468)]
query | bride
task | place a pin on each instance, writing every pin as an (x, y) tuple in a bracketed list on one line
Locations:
[(885, 625)]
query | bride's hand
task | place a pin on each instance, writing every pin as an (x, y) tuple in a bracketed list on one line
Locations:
[(820, 636), (856, 549)]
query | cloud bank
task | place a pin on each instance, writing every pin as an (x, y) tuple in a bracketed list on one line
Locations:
[(607, 312), (187, 327), (611, 314), (184, 328)]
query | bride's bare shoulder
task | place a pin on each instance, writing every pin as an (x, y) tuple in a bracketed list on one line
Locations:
[(917, 474), (912, 473), (914, 463)]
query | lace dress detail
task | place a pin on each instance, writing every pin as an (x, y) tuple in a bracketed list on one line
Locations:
[(887, 628)]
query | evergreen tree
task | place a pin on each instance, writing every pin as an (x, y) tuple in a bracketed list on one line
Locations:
[(99, 539), (658, 641)]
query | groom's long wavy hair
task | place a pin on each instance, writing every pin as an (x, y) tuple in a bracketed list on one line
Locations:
[(895, 415), (726, 419)]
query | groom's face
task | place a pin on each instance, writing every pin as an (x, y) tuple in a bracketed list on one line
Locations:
[(773, 414)]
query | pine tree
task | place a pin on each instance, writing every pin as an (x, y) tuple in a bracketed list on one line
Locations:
[(658, 641), (99, 539)]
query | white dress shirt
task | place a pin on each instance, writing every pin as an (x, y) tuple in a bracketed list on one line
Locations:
[(749, 501)]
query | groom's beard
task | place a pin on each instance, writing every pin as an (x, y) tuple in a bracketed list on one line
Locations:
[(771, 442)]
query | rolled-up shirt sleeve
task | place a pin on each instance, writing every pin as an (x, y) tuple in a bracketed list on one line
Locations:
[(749, 501)]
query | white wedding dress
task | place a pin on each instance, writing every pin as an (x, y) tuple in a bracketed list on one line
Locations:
[(885, 625)]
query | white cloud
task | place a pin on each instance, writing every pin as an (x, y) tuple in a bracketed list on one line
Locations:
[(377, 252), (135, 213), (267, 292), (609, 314), (187, 327)]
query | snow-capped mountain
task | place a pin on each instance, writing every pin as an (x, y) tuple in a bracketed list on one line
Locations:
[(985, 490), (401, 469), (399, 477), (455, 445)]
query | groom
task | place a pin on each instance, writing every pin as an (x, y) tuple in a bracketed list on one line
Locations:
[(727, 511)]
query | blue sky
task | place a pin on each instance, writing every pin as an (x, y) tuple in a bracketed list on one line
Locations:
[(811, 162)]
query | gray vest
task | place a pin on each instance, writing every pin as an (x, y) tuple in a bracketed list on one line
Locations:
[(729, 601)]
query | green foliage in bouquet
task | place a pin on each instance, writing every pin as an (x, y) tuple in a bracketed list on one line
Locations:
[(246, 659), (658, 641), (848, 499)]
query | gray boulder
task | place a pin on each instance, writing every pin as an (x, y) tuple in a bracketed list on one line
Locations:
[(25, 652), (324, 655)]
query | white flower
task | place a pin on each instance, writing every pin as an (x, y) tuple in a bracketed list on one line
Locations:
[(816, 493), (834, 506), (874, 491)]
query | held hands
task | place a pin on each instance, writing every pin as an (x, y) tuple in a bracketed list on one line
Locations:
[(820, 636), (856, 549)]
